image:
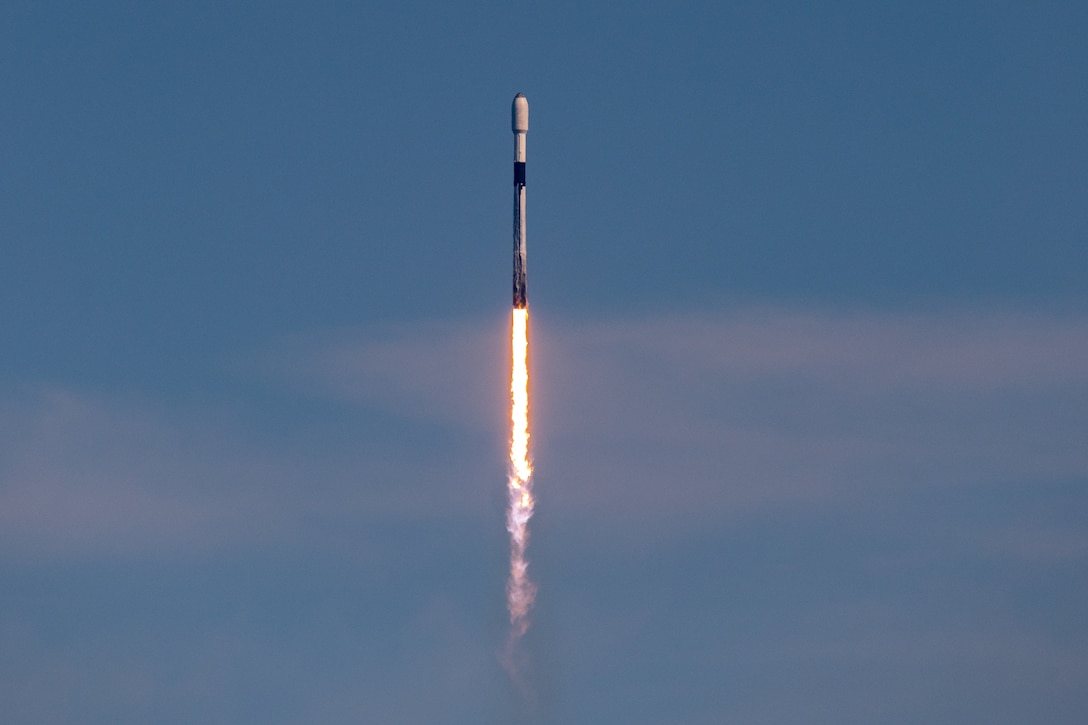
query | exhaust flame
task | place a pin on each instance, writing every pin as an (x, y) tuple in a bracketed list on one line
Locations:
[(520, 591)]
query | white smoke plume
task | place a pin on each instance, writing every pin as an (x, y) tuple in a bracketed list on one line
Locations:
[(520, 590)]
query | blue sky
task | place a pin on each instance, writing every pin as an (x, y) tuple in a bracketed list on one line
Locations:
[(810, 361)]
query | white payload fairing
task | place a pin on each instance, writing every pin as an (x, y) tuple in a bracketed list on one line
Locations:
[(520, 126)]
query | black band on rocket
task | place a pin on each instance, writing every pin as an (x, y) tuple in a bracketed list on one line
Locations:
[(519, 173)]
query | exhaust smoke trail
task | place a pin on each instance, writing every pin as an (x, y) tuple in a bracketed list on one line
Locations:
[(520, 591)]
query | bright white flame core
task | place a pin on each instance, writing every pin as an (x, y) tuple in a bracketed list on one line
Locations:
[(519, 590)]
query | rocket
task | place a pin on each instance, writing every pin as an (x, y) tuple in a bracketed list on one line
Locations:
[(520, 126)]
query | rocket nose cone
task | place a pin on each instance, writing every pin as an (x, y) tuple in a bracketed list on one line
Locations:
[(520, 114)]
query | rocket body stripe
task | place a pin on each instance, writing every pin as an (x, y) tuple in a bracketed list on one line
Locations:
[(520, 127)]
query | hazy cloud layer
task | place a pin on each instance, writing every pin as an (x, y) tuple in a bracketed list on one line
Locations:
[(93, 476), (692, 418), (673, 422)]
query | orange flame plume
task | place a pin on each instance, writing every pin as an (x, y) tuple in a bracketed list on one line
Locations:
[(520, 591)]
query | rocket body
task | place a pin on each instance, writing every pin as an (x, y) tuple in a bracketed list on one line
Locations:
[(520, 126)]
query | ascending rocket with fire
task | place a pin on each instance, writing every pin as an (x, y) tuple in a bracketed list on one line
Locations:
[(520, 590), (520, 125)]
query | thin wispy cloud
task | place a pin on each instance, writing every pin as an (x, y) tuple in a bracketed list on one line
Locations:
[(679, 421), (95, 476), (698, 416)]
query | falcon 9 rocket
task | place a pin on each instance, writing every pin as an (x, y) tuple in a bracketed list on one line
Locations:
[(520, 125)]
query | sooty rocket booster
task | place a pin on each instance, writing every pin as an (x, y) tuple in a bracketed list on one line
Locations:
[(520, 125)]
